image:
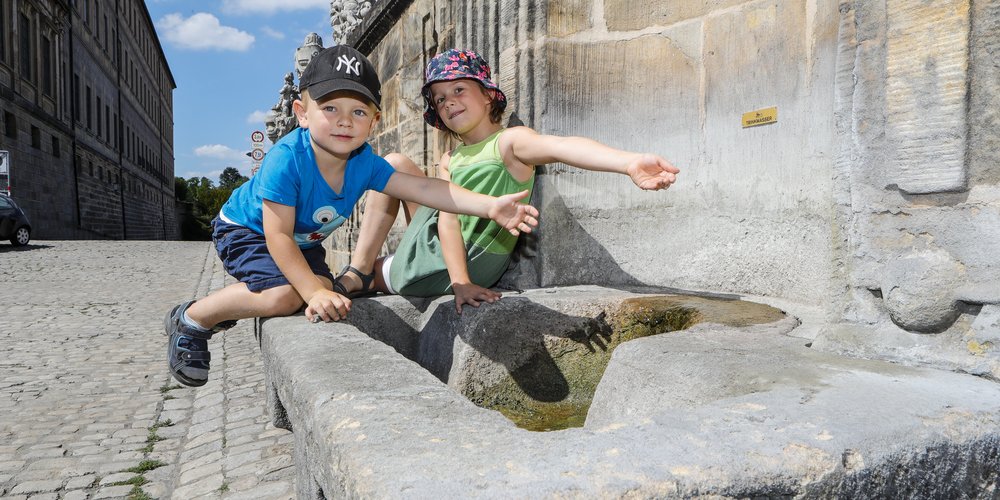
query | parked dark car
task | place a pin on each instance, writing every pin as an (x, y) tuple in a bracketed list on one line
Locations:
[(14, 223)]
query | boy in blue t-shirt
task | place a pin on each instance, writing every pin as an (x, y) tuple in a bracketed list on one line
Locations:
[(268, 233)]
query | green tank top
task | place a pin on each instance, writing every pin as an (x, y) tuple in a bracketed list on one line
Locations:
[(480, 169), (418, 266)]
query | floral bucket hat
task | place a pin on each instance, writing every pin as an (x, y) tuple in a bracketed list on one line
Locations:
[(455, 64)]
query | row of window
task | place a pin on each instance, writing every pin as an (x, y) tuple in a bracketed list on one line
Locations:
[(10, 130), (98, 26), (35, 54), (109, 175), (132, 185)]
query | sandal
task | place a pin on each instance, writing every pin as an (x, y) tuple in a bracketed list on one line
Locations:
[(187, 349), (367, 283)]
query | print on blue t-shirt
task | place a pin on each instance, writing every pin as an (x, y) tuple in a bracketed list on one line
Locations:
[(289, 176)]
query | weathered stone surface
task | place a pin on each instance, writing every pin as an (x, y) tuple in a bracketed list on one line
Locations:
[(626, 15), (798, 209), (926, 91), (919, 290), (567, 17), (984, 94), (986, 328), (676, 415)]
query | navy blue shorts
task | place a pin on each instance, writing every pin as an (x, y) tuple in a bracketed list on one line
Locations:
[(245, 257)]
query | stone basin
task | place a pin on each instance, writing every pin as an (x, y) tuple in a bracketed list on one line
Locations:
[(728, 403)]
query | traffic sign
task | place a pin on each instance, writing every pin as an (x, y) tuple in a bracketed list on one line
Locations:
[(257, 154), (257, 136)]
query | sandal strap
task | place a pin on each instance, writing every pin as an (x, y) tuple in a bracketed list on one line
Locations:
[(196, 356), (194, 332), (339, 287), (366, 279)]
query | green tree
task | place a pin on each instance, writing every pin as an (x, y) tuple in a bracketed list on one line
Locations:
[(230, 179), (201, 200)]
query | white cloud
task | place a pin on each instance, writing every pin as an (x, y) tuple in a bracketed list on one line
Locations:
[(203, 31), (271, 6), (273, 33), (257, 117), (220, 152)]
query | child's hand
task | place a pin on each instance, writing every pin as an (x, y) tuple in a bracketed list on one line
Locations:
[(651, 172), (327, 305), (472, 294), (514, 216)]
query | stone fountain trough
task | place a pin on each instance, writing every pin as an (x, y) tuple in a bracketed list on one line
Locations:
[(591, 392)]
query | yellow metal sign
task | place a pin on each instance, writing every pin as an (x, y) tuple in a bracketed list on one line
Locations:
[(760, 117)]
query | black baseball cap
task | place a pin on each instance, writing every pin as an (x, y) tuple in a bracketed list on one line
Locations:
[(341, 67)]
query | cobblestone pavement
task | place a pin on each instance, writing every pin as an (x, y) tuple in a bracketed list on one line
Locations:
[(87, 406)]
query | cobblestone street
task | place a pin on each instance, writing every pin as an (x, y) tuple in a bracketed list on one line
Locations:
[(87, 406)]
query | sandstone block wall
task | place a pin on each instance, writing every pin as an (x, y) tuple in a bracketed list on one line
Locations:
[(874, 196)]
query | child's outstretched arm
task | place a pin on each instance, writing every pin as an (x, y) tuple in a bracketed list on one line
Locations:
[(506, 210), (524, 145), (279, 224)]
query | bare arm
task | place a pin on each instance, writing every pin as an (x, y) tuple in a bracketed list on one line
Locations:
[(455, 257), (506, 210), (279, 225), (526, 146)]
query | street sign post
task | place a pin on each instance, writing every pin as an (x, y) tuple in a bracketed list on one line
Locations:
[(256, 151)]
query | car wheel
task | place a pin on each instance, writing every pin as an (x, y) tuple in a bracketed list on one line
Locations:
[(21, 236)]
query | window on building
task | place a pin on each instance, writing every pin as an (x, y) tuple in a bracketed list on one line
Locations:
[(47, 61), (55, 147), (26, 50), (76, 96), (10, 124), (36, 137), (100, 123), (107, 122), (90, 121), (91, 165), (3, 32), (64, 84)]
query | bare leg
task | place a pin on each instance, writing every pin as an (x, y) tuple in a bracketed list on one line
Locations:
[(379, 215), (236, 301)]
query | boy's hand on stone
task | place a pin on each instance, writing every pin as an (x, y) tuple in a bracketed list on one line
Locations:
[(652, 172), (327, 305), (513, 215), (472, 294)]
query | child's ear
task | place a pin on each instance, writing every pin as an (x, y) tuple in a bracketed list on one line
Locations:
[(375, 119), (299, 108)]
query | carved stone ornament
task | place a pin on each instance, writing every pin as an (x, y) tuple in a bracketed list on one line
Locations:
[(305, 53), (345, 15), (281, 120)]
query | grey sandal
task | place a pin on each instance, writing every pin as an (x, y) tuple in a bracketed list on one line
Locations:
[(367, 283)]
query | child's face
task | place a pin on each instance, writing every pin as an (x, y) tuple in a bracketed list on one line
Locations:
[(463, 105), (338, 124)]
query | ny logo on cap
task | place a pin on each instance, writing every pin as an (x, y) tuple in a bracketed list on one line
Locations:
[(353, 65)]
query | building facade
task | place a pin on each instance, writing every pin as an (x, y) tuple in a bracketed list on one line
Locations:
[(87, 118)]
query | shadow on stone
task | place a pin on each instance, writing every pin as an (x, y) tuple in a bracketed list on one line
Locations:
[(536, 364)]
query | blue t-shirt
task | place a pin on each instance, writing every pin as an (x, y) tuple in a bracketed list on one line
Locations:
[(289, 176)]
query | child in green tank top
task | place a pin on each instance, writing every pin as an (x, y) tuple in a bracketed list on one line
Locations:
[(443, 253)]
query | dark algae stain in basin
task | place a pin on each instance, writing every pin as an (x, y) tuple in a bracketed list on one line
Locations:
[(564, 375)]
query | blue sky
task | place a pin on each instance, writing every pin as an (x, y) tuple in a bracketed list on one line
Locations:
[(229, 59)]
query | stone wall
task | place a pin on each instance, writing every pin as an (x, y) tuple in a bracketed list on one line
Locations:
[(873, 197)]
